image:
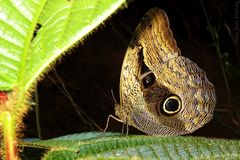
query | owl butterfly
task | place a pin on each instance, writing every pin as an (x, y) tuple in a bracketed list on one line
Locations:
[(161, 92)]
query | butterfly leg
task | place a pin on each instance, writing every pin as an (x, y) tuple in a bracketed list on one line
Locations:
[(127, 128), (123, 125), (111, 116)]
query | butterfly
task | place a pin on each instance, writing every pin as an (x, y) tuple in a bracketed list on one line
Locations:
[(161, 92)]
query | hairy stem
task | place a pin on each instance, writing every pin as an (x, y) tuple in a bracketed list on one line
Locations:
[(8, 126)]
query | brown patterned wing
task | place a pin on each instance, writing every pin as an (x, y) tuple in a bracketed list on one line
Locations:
[(156, 38), (161, 92), (182, 78)]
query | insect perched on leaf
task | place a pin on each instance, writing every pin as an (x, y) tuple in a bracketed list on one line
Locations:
[(161, 92)]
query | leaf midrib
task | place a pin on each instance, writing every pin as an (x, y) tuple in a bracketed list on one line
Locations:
[(26, 51)]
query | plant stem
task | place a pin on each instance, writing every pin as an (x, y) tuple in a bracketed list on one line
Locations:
[(39, 131), (8, 125)]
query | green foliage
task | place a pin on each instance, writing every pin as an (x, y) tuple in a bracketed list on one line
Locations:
[(99, 145), (63, 24), (33, 34), (17, 22), (58, 24)]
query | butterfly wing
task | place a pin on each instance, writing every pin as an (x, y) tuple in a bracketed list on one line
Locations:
[(154, 50), (156, 38), (153, 29), (182, 77)]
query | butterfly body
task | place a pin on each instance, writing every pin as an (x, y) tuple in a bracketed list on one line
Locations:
[(161, 92)]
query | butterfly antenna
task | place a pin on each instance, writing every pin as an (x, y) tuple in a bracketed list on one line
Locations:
[(114, 99)]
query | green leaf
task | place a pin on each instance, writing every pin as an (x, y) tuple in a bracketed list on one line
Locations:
[(33, 34), (98, 145), (63, 23), (17, 22), (23, 57)]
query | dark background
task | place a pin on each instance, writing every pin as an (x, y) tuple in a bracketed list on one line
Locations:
[(93, 68)]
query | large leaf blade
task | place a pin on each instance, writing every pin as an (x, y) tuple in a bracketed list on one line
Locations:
[(109, 146), (17, 22), (63, 24), (25, 57)]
